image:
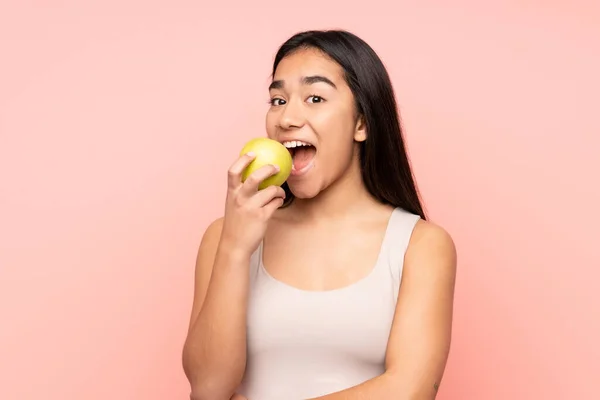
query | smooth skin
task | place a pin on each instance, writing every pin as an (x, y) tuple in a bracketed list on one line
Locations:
[(327, 238)]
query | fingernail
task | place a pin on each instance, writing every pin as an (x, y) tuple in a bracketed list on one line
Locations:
[(276, 167), (250, 154)]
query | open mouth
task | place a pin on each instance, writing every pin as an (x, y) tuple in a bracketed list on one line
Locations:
[(302, 153)]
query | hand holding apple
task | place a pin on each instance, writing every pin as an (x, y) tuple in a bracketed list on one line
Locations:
[(254, 194)]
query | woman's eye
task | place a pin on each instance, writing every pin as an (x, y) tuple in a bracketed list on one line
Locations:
[(315, 99), (277, 102)]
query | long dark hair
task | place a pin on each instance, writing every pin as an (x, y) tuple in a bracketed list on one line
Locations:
[(384, 162)]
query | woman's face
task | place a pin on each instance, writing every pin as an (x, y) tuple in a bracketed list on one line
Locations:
[(312, 112)]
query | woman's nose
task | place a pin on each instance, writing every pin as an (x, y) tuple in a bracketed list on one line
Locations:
[(292, 116)]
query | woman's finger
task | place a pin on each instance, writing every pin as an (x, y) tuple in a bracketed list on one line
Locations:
[(250, 186), (266, 195), (272, 206), (234, 174)]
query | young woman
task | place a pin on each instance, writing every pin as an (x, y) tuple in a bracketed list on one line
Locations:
[(334, 286)]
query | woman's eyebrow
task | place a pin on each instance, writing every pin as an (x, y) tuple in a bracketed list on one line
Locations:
[(306, 80)]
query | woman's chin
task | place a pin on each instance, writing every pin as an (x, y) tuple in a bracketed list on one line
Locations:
[(304, 190)]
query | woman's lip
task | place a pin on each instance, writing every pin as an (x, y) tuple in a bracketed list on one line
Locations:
[(304, 170)]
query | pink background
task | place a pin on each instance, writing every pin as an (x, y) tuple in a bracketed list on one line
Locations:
[(118, 121)]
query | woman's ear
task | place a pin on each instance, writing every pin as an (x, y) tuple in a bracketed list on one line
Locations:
[(360, 132)]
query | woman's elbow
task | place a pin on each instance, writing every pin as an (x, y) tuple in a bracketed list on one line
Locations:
[(210, 382)]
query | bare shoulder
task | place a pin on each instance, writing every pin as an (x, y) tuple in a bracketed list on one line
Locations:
[(212, 234), (208, 248), (432, 248), (204, 264)]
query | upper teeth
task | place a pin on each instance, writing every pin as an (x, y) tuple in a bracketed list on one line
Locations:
[(295, 143)]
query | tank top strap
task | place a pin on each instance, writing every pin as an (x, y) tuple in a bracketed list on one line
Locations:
[(255, 261), (398, 235)]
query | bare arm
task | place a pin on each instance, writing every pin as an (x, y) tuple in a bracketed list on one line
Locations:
[(419, 341), (214, 356)]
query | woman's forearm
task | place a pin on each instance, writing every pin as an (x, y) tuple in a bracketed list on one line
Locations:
[(215, 351)]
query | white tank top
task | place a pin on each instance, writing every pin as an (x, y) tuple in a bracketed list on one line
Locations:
[(304, 344)]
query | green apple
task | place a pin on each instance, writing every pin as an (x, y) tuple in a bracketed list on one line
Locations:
[(268, 151)]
